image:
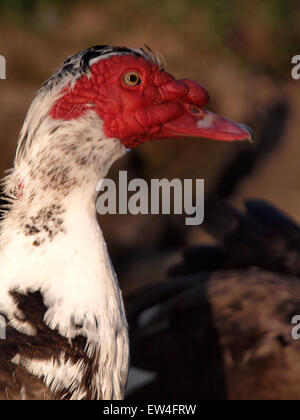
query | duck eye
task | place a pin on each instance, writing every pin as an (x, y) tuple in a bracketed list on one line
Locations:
[(132, 78)]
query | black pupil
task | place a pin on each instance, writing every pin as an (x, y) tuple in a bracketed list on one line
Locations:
[(133, 78)]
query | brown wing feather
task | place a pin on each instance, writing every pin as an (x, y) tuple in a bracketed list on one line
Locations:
[(15, 381)]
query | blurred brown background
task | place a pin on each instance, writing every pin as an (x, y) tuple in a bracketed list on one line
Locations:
[(240, 51)]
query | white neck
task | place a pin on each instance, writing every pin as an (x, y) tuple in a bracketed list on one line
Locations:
[(50, 240)]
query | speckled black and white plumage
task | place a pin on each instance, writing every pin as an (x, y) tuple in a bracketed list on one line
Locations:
[(66, 327)]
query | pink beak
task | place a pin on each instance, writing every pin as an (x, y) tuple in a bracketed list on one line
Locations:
[(196, 121), (206, 124)]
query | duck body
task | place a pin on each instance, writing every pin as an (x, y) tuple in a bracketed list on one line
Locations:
[(68, 296), (226, 312)]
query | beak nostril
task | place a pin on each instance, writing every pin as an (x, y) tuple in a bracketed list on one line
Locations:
[(194, 109)]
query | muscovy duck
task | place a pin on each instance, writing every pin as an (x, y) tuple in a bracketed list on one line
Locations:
[(66, 335)]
